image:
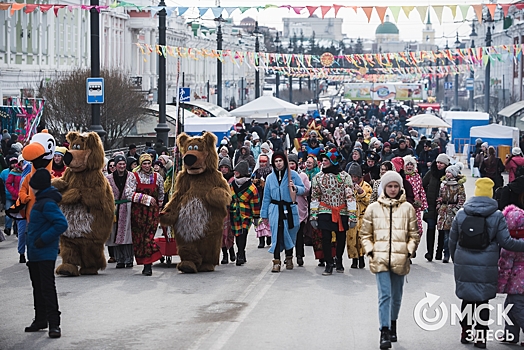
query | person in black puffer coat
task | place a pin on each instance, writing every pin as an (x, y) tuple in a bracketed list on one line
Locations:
[(512, 193), (431, 183)]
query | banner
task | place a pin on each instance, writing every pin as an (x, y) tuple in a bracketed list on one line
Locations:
[(381, 92)]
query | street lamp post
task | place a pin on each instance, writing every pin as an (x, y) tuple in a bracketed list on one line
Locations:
[(219, 63), (277, 76), (290, 50), (457, 45), (95, 66), (487, 75), (257, 50), (162, 130), (446, 62), (473, 35)]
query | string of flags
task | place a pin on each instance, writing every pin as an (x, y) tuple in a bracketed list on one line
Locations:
[(322, 10)]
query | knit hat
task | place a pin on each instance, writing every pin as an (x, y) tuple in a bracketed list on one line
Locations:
[(453, 170), (485, 144), (243, 168), (373, 140), (41, 179), (225, 162), (516, 151), (478, 140), (355, 170), (60, 151), (332, 155), (357, 145), (13, 159), (17, 146), (118, 158), (398, 162), (223, 142), (409, 160), (265, 146), (393, 136), (255, 136), (145, 157), (224, 148), (443, 158), (484, 187), (5, 135), (386, 144), (293, 158), (20, 158), (165, 158), (391, 176)]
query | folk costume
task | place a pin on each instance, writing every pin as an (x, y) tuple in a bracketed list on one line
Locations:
[(144, 188), (245, 206), (259, 176), (228, 239), (333, 205), (121, 237), (415, 180)]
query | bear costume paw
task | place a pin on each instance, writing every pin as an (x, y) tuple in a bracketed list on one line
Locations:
[(187, 267), (206, 267), (67, 270)]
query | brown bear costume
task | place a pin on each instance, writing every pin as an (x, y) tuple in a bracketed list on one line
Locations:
[(87, 203), (197, 209)]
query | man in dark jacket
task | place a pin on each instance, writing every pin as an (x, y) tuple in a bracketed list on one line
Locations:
[(291, 131), (512, 193), (476, 271), (431, 183), (43, 231), (425, 158), (403, 149), (276, 141)]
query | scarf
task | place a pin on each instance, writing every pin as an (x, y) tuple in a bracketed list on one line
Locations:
[(241, 180), (120, 181), (333, 169), (265, 171), (280, 175)]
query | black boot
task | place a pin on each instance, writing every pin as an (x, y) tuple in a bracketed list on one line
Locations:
[(465, 336), (147, 271), (22, 259), (440, 246), (361, 262), (36, 326), (339, 266), (232, 255), (321, 263), (55, 332), (329, 270), (393, 331), (261, 242), (7, 231), (300, 261), (430, 244), (268, 240), (385, 341), (354, 265), (240, 258), (225, 260)]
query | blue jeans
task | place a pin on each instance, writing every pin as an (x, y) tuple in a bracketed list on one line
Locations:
[(8, 220), (446, 243), (22, 225), (390, 287)]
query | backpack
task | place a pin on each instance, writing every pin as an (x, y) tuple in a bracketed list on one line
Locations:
[(474, 233)]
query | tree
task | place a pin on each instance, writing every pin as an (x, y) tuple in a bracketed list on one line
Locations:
[(359, 48), (67, 109)]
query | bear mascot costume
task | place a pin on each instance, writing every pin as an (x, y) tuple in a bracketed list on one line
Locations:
[(197, 209), (87, 203)]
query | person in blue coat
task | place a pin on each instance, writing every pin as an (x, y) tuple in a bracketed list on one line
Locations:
[(280, 211), (43, 233)]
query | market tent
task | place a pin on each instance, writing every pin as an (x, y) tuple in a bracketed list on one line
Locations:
[(148, 124), (219, 126), (461, 123), (267, 107), (495, 135), (512, 109), (427, 121)]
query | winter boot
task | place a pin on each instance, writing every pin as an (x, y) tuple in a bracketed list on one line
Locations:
[(393, 331), (232, 255), (339, 266), (268, 240), (385, 340), (465, 336), (54, 332), (7, 231), (289, 262), (354, 265), (36, 326), (276, 265), (147, 271), (262, 242), (225, 260), (361, 262), (240, 258), (329, 270), (300, 261)]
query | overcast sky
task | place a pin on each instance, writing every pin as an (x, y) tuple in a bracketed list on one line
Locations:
[(355, 25)]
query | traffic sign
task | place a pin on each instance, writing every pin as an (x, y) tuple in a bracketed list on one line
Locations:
[(448, 85), (470, 84), (95, 90), (184, 94)]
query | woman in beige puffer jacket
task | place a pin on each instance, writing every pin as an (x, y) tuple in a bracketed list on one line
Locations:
[(389, 235)]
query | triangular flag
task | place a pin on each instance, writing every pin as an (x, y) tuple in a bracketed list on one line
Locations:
[(337, 7), (505, 8), (324, 10), (30, 8), (182, 10), (244, 9), (453, 9), (407, 10), (395, 11), (478, 12), (16, 7), (56, 8), (438, 12), (230, 10), (311, 9), (217, 11), (5, 7), (381, 12), (202, 11), (464, 10), (367, 10), (491, 8), (45, 8), (298, 9), (422, 11)]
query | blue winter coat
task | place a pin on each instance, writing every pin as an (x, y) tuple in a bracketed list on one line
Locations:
[(47, 223), (274, 191), (476, 271)]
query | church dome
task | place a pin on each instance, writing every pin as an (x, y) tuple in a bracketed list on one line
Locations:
[(387, 28)]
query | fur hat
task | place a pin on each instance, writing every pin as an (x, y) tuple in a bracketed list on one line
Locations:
[(484, 187), (243, 168), (409, 160), (41, 179), (442, 158), (516, 151), (293, 158), (225, 162), (398, 162), (515, 220), (355, 170), (391, 176)]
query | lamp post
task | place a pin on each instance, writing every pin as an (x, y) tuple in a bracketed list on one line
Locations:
[(290, 50), (257, 50), (446, 62), (473, 35), (277, 76), (95, 66), (219, 63), (457, 45), (487, 75), (162, 130)]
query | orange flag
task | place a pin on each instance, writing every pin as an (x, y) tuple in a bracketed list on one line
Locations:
[(311, 9), (367, 10), (478, 12), (381, 11), (491, 8), (30, 8), (324, 10), (337, 7), (15, 7), (4, 6)]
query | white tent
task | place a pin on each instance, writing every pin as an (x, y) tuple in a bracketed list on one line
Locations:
[(495, 135), (213, 124), (267, 107)]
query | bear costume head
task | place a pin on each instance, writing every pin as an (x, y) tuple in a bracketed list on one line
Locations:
[(86, 152), (198, 153)]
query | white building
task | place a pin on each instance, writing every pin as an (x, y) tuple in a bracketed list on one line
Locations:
[(324, 28)]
